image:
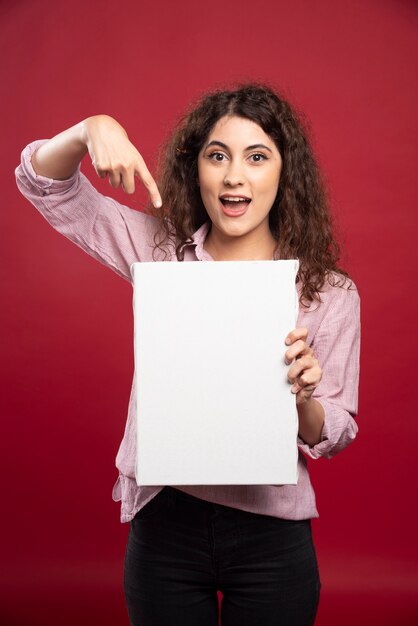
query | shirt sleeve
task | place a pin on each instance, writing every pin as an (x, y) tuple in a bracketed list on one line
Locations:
[(336, 345), (110, 232)]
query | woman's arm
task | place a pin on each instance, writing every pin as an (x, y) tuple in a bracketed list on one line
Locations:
[(111, 152), (60, 157), (311, 421), (325, 373), (49, 177)]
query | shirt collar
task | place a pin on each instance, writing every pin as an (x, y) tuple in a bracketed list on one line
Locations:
[(199, 238)]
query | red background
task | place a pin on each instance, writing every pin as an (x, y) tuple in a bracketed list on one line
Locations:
[(67, 322)]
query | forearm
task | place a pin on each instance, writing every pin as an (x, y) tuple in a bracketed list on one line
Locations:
[(61, 155), (311, 420)]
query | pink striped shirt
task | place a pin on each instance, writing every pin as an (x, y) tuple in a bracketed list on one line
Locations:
[(118, 236)]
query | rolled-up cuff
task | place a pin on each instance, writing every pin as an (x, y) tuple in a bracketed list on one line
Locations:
[(338, 431), (44, 184)]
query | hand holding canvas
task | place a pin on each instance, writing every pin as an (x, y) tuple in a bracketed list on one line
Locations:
[(305, 374)]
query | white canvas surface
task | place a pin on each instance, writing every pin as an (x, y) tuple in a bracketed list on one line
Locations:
[(213, 402)]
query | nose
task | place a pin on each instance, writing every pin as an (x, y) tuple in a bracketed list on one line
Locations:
[(234, 175)]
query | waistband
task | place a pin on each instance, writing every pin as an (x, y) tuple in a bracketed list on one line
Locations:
[(182, 496)]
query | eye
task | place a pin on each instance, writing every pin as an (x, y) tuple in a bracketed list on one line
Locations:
[(217, 156), (258, 157)]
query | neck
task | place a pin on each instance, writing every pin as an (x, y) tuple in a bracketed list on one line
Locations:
[(250, 247)]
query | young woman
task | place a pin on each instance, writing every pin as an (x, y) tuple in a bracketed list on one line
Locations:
[(238, 182)]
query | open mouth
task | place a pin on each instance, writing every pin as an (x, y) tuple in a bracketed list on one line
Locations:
[(234, 205)]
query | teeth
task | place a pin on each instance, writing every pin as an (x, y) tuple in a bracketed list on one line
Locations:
[(235, 199)]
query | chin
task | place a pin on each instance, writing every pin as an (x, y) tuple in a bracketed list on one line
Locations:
[(235, 230)]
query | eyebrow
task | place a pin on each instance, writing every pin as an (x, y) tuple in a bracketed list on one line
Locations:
[(223, 145)]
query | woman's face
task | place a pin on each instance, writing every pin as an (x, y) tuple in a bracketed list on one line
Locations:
[(239, 171)]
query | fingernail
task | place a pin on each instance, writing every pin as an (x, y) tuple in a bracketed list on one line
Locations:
[(157, 204), (287, 341)]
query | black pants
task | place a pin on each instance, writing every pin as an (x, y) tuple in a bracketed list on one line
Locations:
[(182, 549)]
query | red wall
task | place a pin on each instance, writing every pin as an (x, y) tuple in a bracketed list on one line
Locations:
[(67, 348)]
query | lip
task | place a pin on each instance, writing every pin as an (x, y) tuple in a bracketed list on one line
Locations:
[(232, 212)]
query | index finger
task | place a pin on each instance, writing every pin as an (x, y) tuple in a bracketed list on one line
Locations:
[(295, 335), (143, 173)]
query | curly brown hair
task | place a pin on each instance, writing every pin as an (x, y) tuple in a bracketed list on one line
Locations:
[(299, 219)]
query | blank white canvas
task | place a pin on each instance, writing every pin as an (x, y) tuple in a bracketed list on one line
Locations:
[(214, 405)]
